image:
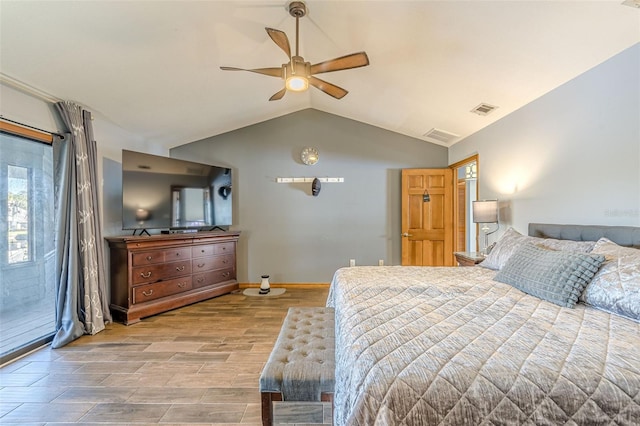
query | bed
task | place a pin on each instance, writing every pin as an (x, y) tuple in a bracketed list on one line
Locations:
[(453, 346)]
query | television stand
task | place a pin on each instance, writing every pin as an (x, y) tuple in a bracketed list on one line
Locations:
[(154, 274), (142, 232)]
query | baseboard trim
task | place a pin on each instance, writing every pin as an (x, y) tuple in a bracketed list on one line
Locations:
[(286, 285)]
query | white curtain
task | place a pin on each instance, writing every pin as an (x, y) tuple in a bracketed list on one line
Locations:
[(81, 302)]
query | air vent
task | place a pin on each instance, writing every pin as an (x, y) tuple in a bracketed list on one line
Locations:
[(440, 136), (483, 109)]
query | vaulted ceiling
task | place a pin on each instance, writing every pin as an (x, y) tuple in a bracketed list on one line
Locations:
[(152, 67)]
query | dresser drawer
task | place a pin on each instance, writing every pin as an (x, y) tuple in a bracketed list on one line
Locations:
[(213, 277), (147, 292), (224, 248), (152, 244), (160, 256), (203, 250), (153, 273), (209, 263)]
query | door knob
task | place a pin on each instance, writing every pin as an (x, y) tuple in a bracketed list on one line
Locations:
[(406, 234)]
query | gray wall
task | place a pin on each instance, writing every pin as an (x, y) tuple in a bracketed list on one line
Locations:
[(571, 156), (293, 236)]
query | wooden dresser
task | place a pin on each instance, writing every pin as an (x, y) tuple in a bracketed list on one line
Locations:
[(153, 274)]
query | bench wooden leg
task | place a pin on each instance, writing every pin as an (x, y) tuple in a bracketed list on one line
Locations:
[(267, 406)]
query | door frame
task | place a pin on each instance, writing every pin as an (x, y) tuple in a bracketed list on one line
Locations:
[(456, 207)]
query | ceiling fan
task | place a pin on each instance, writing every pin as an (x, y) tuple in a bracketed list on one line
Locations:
[(297, 73)]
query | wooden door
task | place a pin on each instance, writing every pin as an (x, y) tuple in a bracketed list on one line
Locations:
[(427, 222)]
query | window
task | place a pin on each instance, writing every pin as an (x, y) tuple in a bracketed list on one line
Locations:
[(18, 214), (27, 247)]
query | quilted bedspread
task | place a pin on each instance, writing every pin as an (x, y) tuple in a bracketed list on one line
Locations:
[(450, 346)]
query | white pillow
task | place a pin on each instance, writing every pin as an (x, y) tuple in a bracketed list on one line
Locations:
[(512, 240), (616, 287)]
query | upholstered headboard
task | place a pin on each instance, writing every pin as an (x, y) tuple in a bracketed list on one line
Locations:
[(623, 235)]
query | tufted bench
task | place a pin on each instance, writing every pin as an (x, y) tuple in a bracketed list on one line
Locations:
[(301, 366)]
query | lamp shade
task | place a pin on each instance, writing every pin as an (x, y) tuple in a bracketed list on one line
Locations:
[(485, 211), (142, 214)]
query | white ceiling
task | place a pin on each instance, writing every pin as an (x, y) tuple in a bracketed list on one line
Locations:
[(152, 67)]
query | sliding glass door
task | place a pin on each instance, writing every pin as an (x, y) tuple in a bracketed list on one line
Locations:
[(27, 249)]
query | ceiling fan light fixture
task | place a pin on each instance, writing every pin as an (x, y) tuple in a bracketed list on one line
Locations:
[(298, 74), (297, 83)]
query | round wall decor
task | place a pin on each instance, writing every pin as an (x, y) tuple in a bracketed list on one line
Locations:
[(309, 156)]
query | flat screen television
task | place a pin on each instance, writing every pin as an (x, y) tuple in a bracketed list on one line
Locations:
[(168, 193)]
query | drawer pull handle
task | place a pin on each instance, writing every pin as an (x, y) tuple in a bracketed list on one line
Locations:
[(226, 274), (200, 265), (178, 254), (180, 268), (202, 251), (149, 257), (225, 261), (224, 248), (147, 294), (182, 285), (145, 275), (201, 279)]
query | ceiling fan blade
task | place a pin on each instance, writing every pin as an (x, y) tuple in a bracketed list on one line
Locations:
[(281, 39), (328, 88), (354, 60), (273, 72), (278, 95)]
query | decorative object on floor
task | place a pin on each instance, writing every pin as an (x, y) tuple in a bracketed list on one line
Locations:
[(265, 287), (256, 292), (297, 73), (309, 156), (485, 212)]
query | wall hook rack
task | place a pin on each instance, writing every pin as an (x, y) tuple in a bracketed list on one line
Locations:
[(309, 179)]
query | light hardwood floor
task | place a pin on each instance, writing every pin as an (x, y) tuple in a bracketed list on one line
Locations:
[(195, 365)]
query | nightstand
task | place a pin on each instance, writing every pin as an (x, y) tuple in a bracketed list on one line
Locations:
[(468, 258)]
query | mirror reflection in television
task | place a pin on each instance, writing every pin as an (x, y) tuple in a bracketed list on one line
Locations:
[(162, 192)]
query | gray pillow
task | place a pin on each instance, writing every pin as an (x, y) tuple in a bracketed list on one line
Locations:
[(556, 276), (512, 240), (616, 287)]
